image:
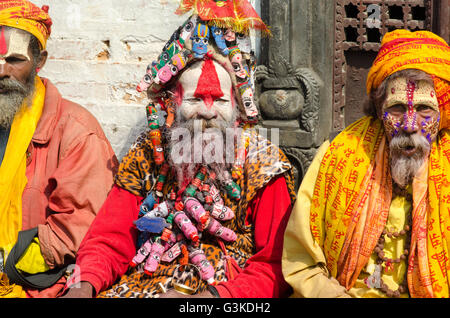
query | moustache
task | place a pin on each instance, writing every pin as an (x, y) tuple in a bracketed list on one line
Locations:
[(415, 142), (8, 85)]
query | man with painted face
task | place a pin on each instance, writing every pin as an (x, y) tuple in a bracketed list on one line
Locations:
[(56, 165), (372, 213), (222, 219)]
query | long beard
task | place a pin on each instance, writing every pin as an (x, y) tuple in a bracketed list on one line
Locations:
[(196, 142), (404, 168), (13, 97)]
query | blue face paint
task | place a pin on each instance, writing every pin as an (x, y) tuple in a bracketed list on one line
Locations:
[(220, 41), (200, 40), (147, 205)]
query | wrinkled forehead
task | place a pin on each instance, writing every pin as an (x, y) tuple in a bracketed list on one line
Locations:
[(14, 41), (402, 90), (190, 78)]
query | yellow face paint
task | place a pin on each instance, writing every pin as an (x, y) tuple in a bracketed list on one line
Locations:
[(398, 92), (19, 42)]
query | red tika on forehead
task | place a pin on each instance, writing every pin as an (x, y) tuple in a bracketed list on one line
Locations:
[(3, 46), (208, 86), (411, 87)]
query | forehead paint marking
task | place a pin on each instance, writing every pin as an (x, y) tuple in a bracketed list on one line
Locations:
[(208, 86), (411, 87), (410, 117), (3, 46), (19, 43)]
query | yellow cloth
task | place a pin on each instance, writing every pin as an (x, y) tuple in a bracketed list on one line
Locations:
[(303, 261), (10, 291), (393, 248), (32, 261), (22, 14), (351, 201), (13, 167)]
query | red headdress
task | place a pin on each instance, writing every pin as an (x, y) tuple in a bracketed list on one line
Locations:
[(238, 15)]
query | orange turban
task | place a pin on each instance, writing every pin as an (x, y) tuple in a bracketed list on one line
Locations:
[(22, 14), (422, 50)]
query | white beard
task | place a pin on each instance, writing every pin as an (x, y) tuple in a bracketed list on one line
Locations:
[(207, 146), (11, 101), (403, 168)]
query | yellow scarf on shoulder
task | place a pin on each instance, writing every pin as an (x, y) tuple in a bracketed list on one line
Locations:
[(351, 201), (12, 170)]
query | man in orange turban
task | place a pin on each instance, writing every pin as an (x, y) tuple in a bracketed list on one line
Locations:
[(56, 165), (371, 218)]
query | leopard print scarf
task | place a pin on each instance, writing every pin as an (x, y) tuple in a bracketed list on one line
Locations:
[(137, 175)]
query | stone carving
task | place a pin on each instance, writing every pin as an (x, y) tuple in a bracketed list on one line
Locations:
[(289, 100)]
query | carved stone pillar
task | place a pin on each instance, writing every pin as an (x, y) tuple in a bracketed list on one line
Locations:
[(294, 80)]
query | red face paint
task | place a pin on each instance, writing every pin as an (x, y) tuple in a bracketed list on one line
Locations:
[(410, 117), (3, 46), (178, 95), (233, 101), (208, 86), (411, 87)]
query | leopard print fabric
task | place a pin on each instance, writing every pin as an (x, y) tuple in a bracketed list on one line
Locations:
[(263, 162)]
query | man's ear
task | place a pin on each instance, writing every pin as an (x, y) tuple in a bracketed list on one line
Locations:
[(42, 59)]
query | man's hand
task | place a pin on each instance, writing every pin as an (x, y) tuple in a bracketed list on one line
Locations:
[(84, 291), (172, 293)]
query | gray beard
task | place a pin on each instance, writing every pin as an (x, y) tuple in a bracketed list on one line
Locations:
[(403, 168), (12, 100), (213, 156)]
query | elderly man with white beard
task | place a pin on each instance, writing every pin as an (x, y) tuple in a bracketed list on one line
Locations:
[(56, 165), (201, 201), (371, 218)]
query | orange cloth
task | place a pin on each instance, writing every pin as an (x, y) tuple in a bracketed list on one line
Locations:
[(24, 15), (238, 15), (422, 50)]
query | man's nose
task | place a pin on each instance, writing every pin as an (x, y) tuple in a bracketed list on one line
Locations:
[(207, 113), (410, 124)]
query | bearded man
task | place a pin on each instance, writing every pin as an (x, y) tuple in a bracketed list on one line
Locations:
[(371, 218), (56, 163), (223, 219)]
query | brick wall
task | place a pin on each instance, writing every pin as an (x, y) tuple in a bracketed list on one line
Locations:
[(98, 53)]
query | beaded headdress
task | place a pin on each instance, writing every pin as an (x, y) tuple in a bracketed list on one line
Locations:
[(218, 30)]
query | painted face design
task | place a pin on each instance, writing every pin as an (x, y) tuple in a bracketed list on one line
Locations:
[(145, 83), (229, 35), (165, 57), (411, 107), (207, 92), (174, 66), (19, 42), (188, 28), (200, 40), (247, 98), (220, 41), (244, 43), (237, 63)]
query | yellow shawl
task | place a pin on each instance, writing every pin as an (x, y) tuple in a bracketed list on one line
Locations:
[(352, 194), (13, 167)]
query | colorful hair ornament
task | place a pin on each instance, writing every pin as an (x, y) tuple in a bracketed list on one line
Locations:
[(200, 40)]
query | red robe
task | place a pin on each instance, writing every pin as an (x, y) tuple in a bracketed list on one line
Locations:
[(110, 244)]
